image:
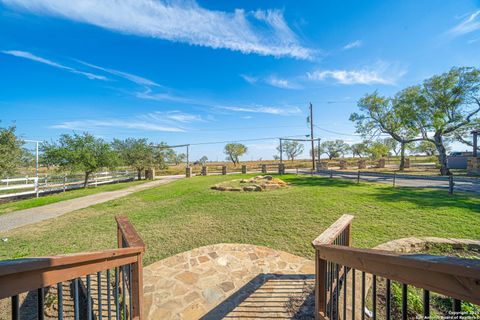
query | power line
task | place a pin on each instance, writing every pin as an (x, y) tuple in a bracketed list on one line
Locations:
[(241, 140)]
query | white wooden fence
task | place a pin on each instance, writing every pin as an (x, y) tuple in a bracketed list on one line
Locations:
[(24, 186)]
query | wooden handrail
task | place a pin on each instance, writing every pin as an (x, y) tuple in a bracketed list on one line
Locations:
[(454, 277), (21, 275), (129, 233), (329, 235), (128, 236)]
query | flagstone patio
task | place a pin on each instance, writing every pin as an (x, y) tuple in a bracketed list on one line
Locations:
[(233, 281)]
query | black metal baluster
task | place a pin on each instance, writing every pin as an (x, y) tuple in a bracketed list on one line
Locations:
[(337, 289), (89, 298), (457, 305), (345, 271), (389, 300), (374, 297), (40, 304), (130, 290), (99, 295), (124, 303), (15, 308), (109, 307), (60, 300), (426, 303), (353, 294), (325, 288), (363, 295), (330, 301), (404, 301), (117, 304), (76, 301)]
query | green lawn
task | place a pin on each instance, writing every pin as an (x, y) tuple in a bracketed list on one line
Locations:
[(187, 214), (36, 202)]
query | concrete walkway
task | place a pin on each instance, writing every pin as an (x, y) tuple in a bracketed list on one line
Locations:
[(25, 217)]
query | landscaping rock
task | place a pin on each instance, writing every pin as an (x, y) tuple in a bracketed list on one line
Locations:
[(249, 188)]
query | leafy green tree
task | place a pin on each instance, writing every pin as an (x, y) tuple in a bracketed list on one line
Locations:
[(378, 149), (234, 151), (178, 158), (334, 149), (162, 155), (136, 153), (443, 106), (81, 152), (203, 160), (11, 151), (382, 115), (359, 149), (292, 149)]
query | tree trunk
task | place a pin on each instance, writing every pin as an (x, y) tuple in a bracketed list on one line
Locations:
[(139, 174), (442, 155), (402, 156), (85, 183)]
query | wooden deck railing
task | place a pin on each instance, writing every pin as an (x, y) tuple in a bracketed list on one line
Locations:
[(338, 265), (47, 276)]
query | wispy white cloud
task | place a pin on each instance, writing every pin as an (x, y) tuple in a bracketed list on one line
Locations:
[(273, 81), (379, 73), (31, 56), (470, 24), (281, 83), (263, 109), (115, 123), (263, 32), (168, 121), (354, 44), (131, 77), (249, 79)]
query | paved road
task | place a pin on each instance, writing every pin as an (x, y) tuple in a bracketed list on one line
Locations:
[(25, 217), (461, 184)]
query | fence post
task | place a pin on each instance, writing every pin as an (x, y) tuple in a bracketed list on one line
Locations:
[(96, 182), (394, 178), (36, 186), (358, 176), (244, 168), (320, 285), (188, 172), (204, 170), (264, 168), (137, 288), (224, 170), (331, 174), (64, 182), (451, 184)]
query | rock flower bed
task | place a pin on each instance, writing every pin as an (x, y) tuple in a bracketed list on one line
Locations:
[(255, 184)]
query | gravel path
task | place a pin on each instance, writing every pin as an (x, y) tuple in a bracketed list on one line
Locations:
[(25, 217)]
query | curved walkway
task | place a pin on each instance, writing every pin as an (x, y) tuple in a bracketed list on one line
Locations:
[(231, 281), (16, 219)]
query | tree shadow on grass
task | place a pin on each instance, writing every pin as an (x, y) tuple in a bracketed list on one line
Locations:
[(306, 181), (432, 198)]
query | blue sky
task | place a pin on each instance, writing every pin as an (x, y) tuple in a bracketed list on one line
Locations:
[(192, 72)]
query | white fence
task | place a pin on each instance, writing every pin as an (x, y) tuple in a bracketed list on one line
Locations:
[(15, 187)]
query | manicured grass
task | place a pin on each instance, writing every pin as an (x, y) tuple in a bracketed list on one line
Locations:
[(36, 202), (186, 214)]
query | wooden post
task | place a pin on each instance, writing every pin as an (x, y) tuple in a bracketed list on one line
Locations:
[(137, 288), (204, 170), (320, 286), (244, 168), (188, 172), (64, 183), (394, 178), (264, 168), (281, 168), (331, 174), (224, 170), (451, 184), (358, 176)]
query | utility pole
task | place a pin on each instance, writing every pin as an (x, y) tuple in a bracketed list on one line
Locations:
[(311, 137)]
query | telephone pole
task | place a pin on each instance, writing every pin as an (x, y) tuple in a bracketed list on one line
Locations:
[(311, 137)]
